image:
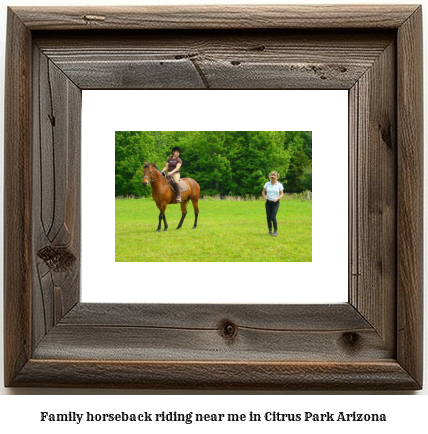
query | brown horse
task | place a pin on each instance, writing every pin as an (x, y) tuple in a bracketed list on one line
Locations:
[(163, 195)]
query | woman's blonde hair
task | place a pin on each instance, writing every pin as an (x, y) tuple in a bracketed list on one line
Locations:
[(274, 174)]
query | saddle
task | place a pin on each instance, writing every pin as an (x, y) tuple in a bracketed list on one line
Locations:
[(182, 184)]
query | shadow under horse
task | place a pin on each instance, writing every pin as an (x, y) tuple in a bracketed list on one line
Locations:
[(163, 194)]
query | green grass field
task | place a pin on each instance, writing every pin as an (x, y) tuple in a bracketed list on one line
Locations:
[(228, 231)]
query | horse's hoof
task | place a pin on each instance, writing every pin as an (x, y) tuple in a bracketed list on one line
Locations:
[(194, 227), (158, 230), (178, 228)]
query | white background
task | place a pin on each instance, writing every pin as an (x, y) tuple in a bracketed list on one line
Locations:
[(406, 413), (325, 113)]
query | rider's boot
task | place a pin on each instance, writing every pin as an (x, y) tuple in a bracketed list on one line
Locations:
[(177, 189)]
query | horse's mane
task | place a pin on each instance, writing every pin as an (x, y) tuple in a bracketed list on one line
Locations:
[(148, 164)]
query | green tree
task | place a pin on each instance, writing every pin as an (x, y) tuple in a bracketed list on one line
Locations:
[(222, 162), (254, 154), (132, 148), (306, 179), (299, 144), (205, 158)]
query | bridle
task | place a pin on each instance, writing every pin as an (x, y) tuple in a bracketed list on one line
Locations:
[(150, 177)]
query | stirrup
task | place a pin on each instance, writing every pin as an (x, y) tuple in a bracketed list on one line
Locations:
[(178, 199)]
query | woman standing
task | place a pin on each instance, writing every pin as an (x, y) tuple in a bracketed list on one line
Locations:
[(272, 193), (173, 165)]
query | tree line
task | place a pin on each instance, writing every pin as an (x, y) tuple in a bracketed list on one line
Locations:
[(233, 163)]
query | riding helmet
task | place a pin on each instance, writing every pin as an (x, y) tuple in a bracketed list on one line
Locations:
[(176, 148)]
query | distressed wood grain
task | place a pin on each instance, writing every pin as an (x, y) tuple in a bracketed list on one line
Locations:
[(372, 342), (385, 375), (56, 194), (17, 199), (373, 179), (215, 16), (214, 333), (410, 196), (216, 59)]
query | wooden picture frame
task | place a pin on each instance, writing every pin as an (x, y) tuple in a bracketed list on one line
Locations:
[(372, 342)]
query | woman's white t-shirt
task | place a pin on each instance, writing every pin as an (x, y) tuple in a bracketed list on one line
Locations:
[(273, 190)]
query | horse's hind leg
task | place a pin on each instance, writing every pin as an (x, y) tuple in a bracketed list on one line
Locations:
[(195, 203), (183, 212)]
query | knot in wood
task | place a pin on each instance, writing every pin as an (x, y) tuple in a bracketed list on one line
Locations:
[(351, 340), (94, 18), (186, 56), (386, 134), (228, 329), (58, 259)]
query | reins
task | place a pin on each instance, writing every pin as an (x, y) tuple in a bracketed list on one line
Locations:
[(153, 180)]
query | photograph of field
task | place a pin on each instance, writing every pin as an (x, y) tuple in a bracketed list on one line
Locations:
[(231, 168)]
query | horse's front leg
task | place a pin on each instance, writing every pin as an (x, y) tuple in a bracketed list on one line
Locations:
[(160, 222), (162, 209)]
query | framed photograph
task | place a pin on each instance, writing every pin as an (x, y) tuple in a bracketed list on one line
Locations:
[(232, 231), (53, 338)]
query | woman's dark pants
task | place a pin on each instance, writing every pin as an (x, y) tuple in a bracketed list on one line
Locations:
[(271, 210)]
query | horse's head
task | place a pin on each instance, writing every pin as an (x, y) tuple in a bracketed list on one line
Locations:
[(149, 173)]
